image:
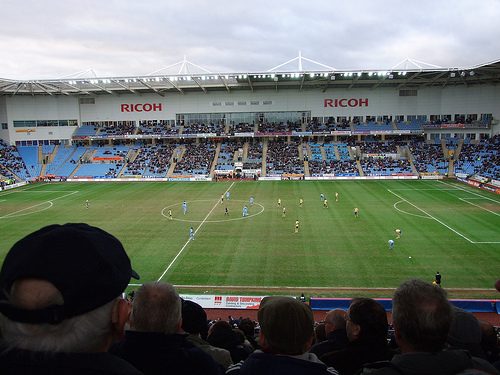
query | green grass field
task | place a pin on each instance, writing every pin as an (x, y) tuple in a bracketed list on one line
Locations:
[(446, 226)]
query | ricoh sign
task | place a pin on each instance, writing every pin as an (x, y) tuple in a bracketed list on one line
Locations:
[(344, 103), (146, 107)]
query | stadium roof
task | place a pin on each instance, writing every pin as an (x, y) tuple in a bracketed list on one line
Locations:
[(409, 74)]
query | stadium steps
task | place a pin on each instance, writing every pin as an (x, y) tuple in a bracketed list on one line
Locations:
[(337, 154), (131, 155), (179, 158), (216, 157), (88, 154), (74, 172), (360, 168), (124, 168), (40, 155), (352, 156), (65, 161), (323, 153), (52, 156), (306, 169), (450, 168), (264, 156), (245, 151)]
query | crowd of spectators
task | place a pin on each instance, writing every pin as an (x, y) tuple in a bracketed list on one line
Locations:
[(11, 162), (242, 128), (480, 157), (254, 152), (197, 158), (385, 166), (378, 148), (156, 127), (283, 157), (376, 157), (124, 128), (427, 156)]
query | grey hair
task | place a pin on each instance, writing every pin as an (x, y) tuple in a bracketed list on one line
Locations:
[(422, 314), (81, 334), (156, 308)]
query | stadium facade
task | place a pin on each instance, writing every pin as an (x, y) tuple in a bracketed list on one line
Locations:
[(321, 114), (465, 100)]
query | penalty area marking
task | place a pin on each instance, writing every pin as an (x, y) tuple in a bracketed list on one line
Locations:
[(432, 217), (212, 221), (439, 221), (40, 205), (406, 212)]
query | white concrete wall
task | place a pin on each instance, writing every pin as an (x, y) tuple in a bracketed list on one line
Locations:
[(381, 101)]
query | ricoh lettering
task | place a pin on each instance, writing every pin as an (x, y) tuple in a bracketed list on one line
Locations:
[(147, 107)]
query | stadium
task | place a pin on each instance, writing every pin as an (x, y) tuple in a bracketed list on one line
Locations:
[(415, 148)]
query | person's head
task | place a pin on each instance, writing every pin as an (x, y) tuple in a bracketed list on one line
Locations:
[(319, 332), (489, 337), (194, 319), (60, 290), (465, 332), (157, 308), (335, 319), (421, 316), (286, 325), (366, 319), (247, 326)]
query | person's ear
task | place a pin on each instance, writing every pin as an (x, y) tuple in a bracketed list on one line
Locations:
[(120, 318), (179, 326)]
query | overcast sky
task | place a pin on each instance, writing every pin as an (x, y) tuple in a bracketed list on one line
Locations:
[(56, 38)]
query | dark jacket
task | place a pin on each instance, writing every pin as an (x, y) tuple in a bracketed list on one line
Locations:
[(446, 362), (268, 364), (229, 340), (336, 340), (356, 353), (158, 353), (26, 362)]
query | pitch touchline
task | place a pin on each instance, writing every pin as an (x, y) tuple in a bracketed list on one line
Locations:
[(199, 226), (467, 191), (19, 213), (304, 288), (439, 221)]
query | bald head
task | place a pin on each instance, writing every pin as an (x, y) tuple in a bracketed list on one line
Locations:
[(334, 320), (35, 293)]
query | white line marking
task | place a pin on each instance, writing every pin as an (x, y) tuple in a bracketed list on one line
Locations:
[(213, 221), (478, 206), (19, 213), (409, 213), (199, 226), (470, 192), (439, 221)]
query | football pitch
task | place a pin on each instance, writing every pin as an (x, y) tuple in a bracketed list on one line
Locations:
[(446, 226)]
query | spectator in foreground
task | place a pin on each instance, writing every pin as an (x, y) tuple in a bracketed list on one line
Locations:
[(367, 327), (465, 333), (335, 332), (194, 322), (286, 333), (422, 318), (489, 343), (319, 333), (49, 321), (248, 327), (222, 335), (155, 344)]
